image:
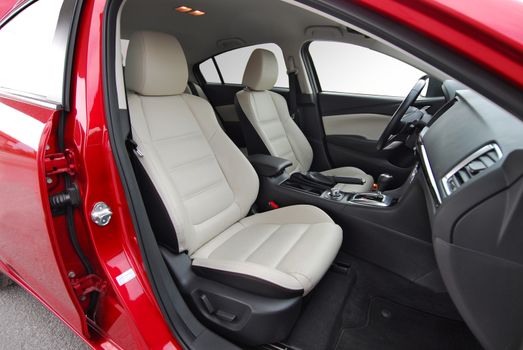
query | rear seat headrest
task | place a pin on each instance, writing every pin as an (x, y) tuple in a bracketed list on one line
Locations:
[(155, 65)]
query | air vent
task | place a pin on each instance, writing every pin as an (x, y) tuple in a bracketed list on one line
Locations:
[(472, 166)]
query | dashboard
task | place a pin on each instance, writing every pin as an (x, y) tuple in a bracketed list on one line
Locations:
[(472, 162)]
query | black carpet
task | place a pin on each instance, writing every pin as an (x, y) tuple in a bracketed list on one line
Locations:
[(370, 308), (318, 326), (394, 326)]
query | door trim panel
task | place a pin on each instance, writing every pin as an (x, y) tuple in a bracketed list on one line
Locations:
[(368, 125)]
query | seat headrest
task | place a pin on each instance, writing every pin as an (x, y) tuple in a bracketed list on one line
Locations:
[(261, 71), (155, 65)]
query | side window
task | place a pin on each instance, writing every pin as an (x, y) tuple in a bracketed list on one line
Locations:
[(348, 68), (232, 65), (33, 52), (209, 72)]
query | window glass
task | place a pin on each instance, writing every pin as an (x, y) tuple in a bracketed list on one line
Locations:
[(232, 64), (209, 72), (32, 58), (348, 68)]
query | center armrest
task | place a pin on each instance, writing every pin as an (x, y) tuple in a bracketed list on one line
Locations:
[(269, 166)]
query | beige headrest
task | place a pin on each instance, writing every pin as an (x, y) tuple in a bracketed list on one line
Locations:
[(155, 65), (261, 71)]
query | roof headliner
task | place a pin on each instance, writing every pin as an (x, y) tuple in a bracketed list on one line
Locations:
[(260, 22)]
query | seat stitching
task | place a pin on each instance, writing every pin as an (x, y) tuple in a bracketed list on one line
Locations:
[(262, 243), (279, 137), (210, 141), (301, 274), (203, 189), (191, 162), (292, 246), (196, 119), (209, 256), (181, 136)]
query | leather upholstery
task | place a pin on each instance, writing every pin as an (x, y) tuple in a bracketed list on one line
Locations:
[(292, 247), (263, 70), (146, 59), (208, 186), (268, 114), (206, 183), (348, 171)]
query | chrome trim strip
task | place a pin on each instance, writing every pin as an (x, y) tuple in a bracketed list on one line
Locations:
[(426, 165), (26, 97), (470, 158)]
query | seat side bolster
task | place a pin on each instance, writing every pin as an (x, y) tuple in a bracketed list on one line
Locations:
[(249, 277)]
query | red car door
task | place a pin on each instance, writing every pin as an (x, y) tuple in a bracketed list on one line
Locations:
[(32, 66)]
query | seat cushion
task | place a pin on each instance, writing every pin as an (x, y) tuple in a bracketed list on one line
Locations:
[(349, 171), (289, 248)]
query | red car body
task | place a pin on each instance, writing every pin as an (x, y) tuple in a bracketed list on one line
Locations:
[(487, 32)]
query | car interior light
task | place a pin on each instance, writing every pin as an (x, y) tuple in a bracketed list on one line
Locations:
[(197, 13), (183, 9)]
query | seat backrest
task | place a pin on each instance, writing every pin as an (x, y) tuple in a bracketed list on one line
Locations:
[(204, 181), (196, 90), (268, 112)]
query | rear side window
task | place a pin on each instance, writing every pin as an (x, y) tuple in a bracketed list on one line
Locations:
[(349, 68), (231, 65), (209, 71), (32, 58)]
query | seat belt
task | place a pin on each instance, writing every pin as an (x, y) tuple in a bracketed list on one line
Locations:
[(293, 93)]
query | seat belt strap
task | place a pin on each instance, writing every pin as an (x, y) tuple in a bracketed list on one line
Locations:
[(293, 93)]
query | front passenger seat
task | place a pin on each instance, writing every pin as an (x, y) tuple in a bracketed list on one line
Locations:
[(268, 114), (246, 274)]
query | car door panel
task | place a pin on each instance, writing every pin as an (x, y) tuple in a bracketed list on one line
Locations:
[(353, 123), (367, 125), (334, 103)]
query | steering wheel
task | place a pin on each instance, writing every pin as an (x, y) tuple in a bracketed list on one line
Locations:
[(385, 138)]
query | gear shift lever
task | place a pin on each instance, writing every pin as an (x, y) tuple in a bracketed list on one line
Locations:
[(384, 181)]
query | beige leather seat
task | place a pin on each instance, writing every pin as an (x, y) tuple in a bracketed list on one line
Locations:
[(268, 113), (208, 186)]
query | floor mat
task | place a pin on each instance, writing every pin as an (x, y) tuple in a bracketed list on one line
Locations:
[(394, 326), (344, 312), (320, 321)]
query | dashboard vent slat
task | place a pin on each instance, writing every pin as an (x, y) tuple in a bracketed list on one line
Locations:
[(471, 166)]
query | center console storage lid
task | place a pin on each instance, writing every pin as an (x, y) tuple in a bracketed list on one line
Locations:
[(269, 166)]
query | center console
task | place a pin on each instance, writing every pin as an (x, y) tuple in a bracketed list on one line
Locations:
[(272, 170), (390, 228)]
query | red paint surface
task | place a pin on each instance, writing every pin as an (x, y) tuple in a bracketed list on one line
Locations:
[(489, 32), (128, 315), (33, 246), (27, 237), (6, 6)]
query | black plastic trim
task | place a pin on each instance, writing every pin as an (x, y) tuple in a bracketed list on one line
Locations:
[(247, 283), (245, 317), (69, 59)]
